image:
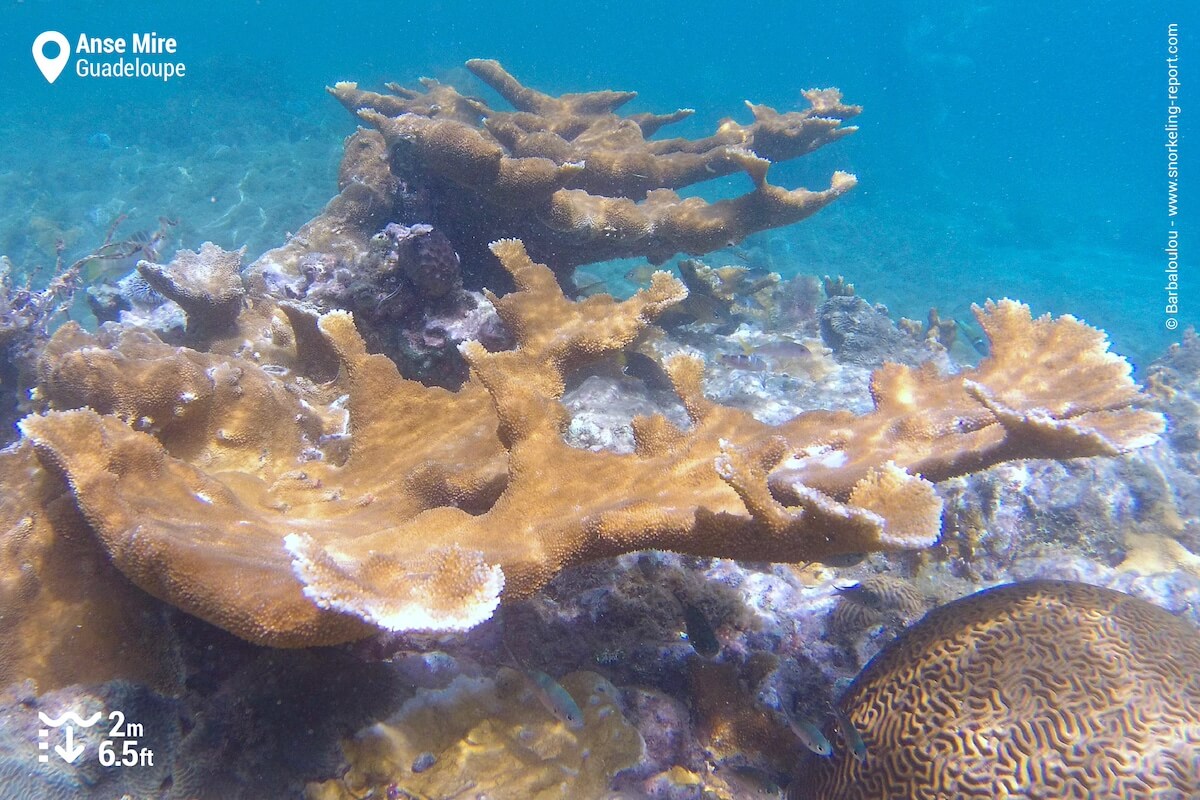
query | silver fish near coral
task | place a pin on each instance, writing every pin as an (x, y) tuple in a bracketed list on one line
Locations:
[(975, 336), (783, 349), (556, 699), (810, 736), (850, 735), (744, 361), (641, 273)]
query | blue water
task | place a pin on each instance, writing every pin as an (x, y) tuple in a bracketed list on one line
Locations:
[(1006, 149)]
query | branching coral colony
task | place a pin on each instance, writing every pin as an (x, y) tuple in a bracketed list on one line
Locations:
[(571, 178), (291, 487)]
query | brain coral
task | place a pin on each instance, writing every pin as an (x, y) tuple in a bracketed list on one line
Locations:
[(1042, 689)]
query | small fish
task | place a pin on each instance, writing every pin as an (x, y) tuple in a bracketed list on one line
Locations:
[(784, 349), (551, 694), (849, 733), (750, 781), (592, 288), (700, 633), (648, 370), (147, 243), (977, 339), (744, 361), (856, 592), (109, 264), (556, 699), (810, 736), (753, 288), (117, 257), (642, 273)]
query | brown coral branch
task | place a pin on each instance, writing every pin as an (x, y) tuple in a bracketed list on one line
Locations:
[(68, 615), (207, 283), (445, 497), (579, 183)]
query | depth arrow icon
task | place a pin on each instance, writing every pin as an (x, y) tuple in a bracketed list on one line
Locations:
[(72, 751)]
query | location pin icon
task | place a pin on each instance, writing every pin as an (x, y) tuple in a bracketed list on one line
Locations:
[(51, 67)]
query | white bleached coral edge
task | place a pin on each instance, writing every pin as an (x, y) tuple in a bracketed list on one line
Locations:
[(406, 599)]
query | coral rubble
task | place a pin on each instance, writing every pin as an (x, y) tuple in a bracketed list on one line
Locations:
[(491, 737), (444, 499), (1027, 688)]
